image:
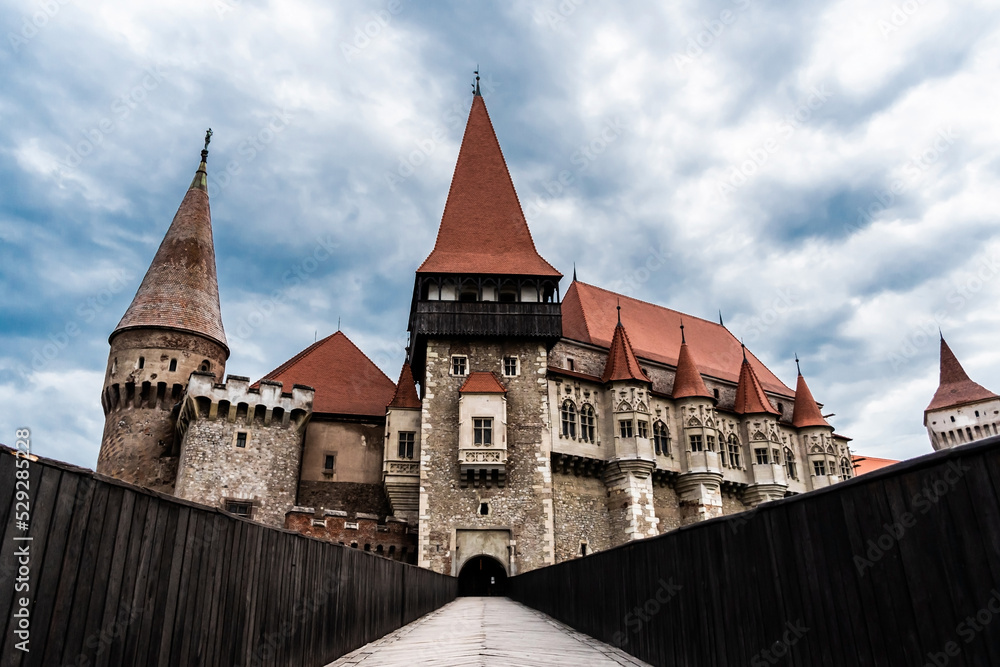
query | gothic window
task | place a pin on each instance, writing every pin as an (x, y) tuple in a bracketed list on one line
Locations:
[(625, 428), (482, 431), (510, 366), (661, 438), (760, 453), (734, 451), (643, 428), (696, 443), (710, 442), (790, 464), (459, 365), (819, 468), (568, 419), (406, 439), (587, 424), (845, 469)]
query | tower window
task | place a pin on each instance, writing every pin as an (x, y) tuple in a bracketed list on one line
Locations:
[(329, 462), (510, 366), (482, 431), (710, 442), (568, 419), (819, 468), (643, 428), (661, 438), (459, 365), (715, 392), (206, 366), (696, 443), (569, 364), (733, 445), (142, 364), (761, 455), (583, 548), (845, 469), (977, 413), (625, 428), (484, 509), (587, 421), (790, 464), (173, 365), (406, 439), (241, 439)]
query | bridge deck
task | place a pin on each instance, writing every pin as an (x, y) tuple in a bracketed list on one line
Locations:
[(486, 631)]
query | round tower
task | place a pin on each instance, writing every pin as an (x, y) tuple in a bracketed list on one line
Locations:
[(172, 328)]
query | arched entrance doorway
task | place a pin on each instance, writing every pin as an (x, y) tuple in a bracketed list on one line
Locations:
[(482, 576)]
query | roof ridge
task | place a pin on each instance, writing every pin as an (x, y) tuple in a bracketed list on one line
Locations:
[(656, 305)]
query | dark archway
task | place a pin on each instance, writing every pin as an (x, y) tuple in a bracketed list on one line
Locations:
[(482, 576)]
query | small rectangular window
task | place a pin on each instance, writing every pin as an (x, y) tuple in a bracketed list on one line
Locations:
[(406, 439), (761, 455), (710, 442), (819, 468), (239, 507), (241, 439), (329, 462), (625, 428), (643, 429), (173, 365), (569, 364), (696, 443), (510, 366), (482, 428), (775, 457), (459, 365)]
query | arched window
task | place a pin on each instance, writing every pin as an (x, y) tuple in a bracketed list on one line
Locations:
[(790, 470), (587, 423), (846, 470), (661, 438), (568, 419), (733, 449)]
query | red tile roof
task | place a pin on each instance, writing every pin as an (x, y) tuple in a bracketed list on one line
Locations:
[(483, 229), (863, 464), (806, 411), (406, 391), (589, 314), (687, 380), (750, 397), (180, 289), (955, 387), (621, 363), (345, 380), (482, 382)]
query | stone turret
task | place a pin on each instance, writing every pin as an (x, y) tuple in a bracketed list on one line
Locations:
[(759, 427), (401, 463), (961, 410), (815, 434), (172, 328)]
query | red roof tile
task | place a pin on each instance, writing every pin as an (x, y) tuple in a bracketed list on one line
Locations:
[(180, 289), (863, 464), (482, 382), (750, 397), (483, 229), (589, 312), (406, 391), (687, 380), (955, 388), (622, 364), (806, 411), (345, 380)]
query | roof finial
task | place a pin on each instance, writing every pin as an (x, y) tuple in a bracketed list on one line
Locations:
[(683, 341), (208, 140), (743, 345), (619, 312), (475, 87), (797, 367), (574, 271), (940, 333), (721, 323), (338, 324)]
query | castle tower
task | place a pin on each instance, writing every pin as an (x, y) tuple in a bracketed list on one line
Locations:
[(628, 473), (401, 462), (824, 464), (961, 410), (172, 328), (484, 303), (759, 427), (699, 487)]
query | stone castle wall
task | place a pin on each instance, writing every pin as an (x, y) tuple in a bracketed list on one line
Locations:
[(391, 538), (580, 515)]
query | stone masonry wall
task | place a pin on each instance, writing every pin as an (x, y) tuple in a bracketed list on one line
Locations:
[(581, 515), (391, 538), (667, 506)]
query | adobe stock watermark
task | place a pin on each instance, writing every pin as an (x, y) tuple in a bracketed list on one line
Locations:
[(712, 29), (365, 33), (794, 632), (121, 108), (780, 306), (636, 619), (740, 174), (561, 12), (249, 149), (656, 259), (33, 22), (924, 501), (967, 631), (899, 16)]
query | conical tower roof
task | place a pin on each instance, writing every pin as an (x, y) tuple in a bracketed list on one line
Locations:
[(687, 380), (621, 363), (483, 229), (180, 290), (955, 388), (750, 396), (406, 391), (806, 411)]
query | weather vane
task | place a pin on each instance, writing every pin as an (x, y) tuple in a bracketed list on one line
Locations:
[(208, 138)]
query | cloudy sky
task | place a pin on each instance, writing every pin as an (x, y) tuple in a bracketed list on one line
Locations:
[(824, 173)]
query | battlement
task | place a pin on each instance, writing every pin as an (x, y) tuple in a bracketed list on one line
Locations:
[(238, 402)]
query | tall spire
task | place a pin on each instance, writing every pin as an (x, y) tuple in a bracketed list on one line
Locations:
[(955, 387), (750, 396), (687, 380), (180, 290), (806, 411), (483, 229), (622, 363)]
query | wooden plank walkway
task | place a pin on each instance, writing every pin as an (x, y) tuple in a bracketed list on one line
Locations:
[(477, 632)]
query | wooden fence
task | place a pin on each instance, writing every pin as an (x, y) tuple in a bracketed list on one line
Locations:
[(896, 567), (117, 575)]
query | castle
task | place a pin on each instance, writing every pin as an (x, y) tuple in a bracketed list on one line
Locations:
[(961, 411), (548, 424)]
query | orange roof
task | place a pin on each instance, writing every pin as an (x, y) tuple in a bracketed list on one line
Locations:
[(589, 312), (806, 411), (345, 380), (482, 382), (622, 364), (863, 464), (180, 289), (750, 397), (955, 387), (687, 380), (483, 229), (406, 391)]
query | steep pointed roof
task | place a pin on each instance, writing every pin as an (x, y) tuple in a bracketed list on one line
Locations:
[(180, 290), (806, 411), (955, 388), (621, 363), (483, 229), (346, 381), (750, 397), (482, 382), (687, 380), (589, 314), (406, 391)]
